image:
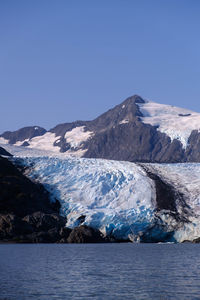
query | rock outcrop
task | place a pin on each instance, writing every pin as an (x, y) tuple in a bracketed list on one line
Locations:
[(26, 213), (85, 234)]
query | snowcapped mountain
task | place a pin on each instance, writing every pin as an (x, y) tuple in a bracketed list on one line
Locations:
[(137, 130)]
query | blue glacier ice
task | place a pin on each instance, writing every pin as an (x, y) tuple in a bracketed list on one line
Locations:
[(115, 197)]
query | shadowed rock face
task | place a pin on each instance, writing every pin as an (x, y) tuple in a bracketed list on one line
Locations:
[(19, 195), (134, 142), (26, 212), (192, 153)]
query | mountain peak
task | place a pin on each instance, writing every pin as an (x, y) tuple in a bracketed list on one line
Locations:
[(133, 100)]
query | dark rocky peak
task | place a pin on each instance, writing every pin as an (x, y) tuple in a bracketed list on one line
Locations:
[(131, 108), (132, 100), (127, 111), (23, 133)]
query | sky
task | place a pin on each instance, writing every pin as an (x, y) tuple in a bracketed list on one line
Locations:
[(67, 60)]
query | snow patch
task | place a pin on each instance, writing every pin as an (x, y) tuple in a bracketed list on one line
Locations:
[(177, 123), (3, 141), (57, 141), (44, 142), (125, 121), (77, 136)]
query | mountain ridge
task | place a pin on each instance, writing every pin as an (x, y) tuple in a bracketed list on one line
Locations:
[(136, 130)]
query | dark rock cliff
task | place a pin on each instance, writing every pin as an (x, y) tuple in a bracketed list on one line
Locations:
[(25, 209)]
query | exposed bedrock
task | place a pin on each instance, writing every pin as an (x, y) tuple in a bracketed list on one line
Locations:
[(135, 142), (85, 234), (25, 209), (19, 195)]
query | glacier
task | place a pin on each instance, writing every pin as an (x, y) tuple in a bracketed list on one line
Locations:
[(114, 197), (117, 197)]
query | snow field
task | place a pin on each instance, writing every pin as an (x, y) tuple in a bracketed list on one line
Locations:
[(177, 123)]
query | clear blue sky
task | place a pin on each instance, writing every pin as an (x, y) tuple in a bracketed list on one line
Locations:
[(66, 60)]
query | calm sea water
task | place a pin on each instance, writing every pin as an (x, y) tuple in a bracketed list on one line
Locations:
[(105, 271)]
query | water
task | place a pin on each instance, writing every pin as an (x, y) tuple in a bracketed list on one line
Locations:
[(104, 271)]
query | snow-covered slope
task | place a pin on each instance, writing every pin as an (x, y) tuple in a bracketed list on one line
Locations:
[(50, 142), (176, 122)]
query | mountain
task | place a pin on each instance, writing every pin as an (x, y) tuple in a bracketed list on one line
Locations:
[(136, 130), (21, 136)]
